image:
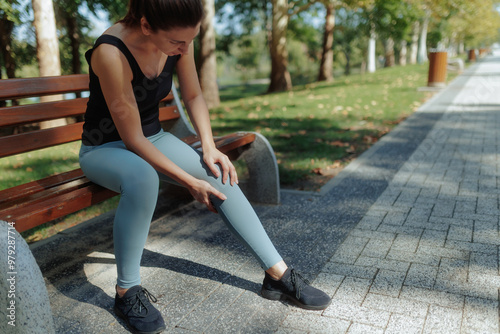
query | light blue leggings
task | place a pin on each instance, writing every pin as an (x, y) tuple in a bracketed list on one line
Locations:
[(112, 166)]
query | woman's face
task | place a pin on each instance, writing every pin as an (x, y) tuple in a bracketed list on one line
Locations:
[(174, 41)]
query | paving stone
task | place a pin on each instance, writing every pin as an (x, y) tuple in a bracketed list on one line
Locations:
[(441, 252), (460, 233), (349, 270), (366, 261), (403, 324), (363, 329), (237, 315), (421, 275), (356, 313), (401, 306), (350, 249), (376, 235), (443, 208), (432, 238), (402, 255), (377, 248), (314, 323), (328, 283), (480, 316), (443, 320), (370, 223), (352, 291), (211, 308), (472, 246), (434, 297), (388, 283), (395, 218), (486, 232)]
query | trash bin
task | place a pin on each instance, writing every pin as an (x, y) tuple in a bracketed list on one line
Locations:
[(438, 61), (472, 55)]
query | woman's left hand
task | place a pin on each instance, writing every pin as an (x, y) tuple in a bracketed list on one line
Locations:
[(212, 157)]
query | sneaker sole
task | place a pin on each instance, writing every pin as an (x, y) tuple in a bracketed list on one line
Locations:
[(135, 331), (276, 295)]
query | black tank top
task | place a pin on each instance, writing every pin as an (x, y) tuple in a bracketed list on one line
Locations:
[(99, 127)]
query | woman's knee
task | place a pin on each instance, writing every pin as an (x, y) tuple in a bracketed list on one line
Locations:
[(141, 181)]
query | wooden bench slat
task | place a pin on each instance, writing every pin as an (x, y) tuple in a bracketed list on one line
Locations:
[(168, 113), (32, 113), (25, 142), (55, 191), (225, 143), (12, 89), (234, 141), (56, 207), (13, 194)]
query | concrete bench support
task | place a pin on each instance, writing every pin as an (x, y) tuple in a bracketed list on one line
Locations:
[(25, 306)]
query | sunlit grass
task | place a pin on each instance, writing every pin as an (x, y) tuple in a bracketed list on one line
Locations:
[(320, 126)]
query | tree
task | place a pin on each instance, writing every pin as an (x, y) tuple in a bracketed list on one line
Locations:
[(280, 77), (46, 36), (347, 36), (8, 17), (70, 20), (392, 25), (326, 62), (72, 26), (207, 59), (475, 23), (49, 63)]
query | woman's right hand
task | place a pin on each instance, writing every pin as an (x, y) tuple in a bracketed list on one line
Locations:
[(201, 191)]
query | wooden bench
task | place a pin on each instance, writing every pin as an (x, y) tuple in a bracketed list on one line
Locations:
[(40, 201)]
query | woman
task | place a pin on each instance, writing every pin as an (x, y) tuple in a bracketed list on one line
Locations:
[(125, 149)]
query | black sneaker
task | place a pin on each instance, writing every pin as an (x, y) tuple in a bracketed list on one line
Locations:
[(295, 288), (141, 317)]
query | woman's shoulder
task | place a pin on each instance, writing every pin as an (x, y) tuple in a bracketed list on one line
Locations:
[(116, 30)]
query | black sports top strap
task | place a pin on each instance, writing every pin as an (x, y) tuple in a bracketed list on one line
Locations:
[(113, 40)]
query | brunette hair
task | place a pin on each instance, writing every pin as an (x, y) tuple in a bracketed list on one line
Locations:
[(164, 14)]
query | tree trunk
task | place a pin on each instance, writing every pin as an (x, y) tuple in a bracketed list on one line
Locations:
[(347, 70), (414, 42), (461, 47), (402, 53), (47, 48), (280, 77), (326, 65), (422, 48), (6, 27), (208, 61), (371, 51), (74, 37), (389, 52)]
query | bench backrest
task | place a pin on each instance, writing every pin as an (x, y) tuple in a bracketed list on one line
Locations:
[(33, 111)]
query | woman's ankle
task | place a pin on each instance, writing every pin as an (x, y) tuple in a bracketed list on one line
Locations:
[(120, 291), (278, 270)]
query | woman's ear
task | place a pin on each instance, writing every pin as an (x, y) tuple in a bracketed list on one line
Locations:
[(145, 27)]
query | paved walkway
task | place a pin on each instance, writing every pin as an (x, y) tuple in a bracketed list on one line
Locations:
[(405, 239)]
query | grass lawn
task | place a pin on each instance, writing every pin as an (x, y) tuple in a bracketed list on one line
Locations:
[(314, 129), (318, 128)]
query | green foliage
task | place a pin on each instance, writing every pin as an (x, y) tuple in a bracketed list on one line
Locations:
[(9, 11), (392, 18)]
